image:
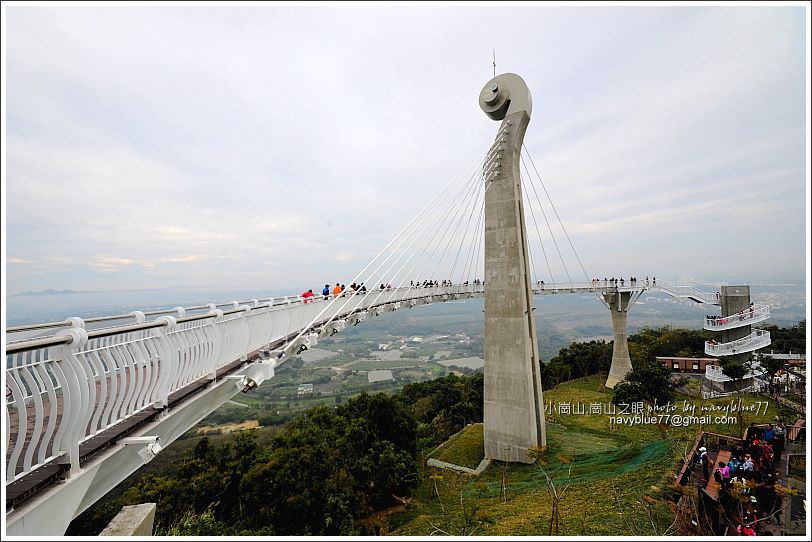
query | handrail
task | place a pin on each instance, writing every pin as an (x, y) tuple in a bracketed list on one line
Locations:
[(539, 288), (597, 286), (757, 313), (406, 292), (58, 398), (759, 338), (131, 315), (690, 292), (34, 344)]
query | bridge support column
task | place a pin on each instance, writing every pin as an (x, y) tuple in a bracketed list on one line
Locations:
[(621, 362), (136, 520), (513, 404)]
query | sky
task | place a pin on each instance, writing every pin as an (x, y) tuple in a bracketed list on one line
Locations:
[(278, 147)]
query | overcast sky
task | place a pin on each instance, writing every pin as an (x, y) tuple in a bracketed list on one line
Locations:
[(268, 147)]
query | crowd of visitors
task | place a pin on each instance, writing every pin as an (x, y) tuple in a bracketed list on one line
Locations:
[(723, 320), (341, 290), (613, 282), (747, 481)]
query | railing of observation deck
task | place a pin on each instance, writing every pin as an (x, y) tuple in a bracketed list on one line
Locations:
[(758, 339), (759, 313)]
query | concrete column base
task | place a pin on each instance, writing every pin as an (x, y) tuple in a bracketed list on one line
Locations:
[(134, 520), (621, 362)]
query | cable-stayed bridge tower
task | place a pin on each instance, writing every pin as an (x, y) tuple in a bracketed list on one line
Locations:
[(514, 408)]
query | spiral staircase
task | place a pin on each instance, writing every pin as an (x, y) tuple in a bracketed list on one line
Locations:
[(759, 338), (736, 345)]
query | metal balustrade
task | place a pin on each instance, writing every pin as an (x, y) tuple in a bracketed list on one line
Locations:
[(80, 383), (90, 375), (689, 292), (758, 339), (759, 313)]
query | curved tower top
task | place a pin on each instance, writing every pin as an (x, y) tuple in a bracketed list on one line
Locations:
[(505, 94)]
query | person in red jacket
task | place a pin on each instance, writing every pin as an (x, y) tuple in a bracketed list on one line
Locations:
[(307, 295)]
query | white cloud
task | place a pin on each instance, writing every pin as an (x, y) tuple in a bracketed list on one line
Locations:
[(286, 145)]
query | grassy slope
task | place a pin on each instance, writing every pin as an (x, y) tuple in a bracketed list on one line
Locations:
[(464, 449), (612, 471)]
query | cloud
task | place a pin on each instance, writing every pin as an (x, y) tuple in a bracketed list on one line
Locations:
[(182, 259), (284, 145)]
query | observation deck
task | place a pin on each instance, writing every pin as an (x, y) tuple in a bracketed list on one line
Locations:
[(758, 313), (758, 339)]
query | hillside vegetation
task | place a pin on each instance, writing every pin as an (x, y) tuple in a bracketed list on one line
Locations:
[(348, 468)]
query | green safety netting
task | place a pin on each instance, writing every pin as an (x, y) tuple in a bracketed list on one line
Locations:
[(593, 457)]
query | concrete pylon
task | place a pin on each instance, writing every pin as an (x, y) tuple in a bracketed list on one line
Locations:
[(514, 407), (621, 362), (733, 300)]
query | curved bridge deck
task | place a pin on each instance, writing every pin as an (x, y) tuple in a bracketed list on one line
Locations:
[(74, 398)]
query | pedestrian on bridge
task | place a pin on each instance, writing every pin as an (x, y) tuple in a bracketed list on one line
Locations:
[(337, 290)]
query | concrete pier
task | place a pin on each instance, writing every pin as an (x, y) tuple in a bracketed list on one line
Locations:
[(513, 403), (621, 362), (136, 520)]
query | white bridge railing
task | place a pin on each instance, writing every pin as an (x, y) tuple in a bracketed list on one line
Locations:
[(758, 339), (689, 292), (65, 389), (757, 313), (69, 381)]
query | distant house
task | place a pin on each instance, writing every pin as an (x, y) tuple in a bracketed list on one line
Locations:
[(386, 354), (687, 365), (416, 339), (380, 376), (305, 389)]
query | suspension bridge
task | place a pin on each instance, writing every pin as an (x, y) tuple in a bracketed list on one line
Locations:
[(89, 401)]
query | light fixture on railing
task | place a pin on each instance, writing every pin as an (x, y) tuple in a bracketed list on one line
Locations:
[(248, 384), (150, 449)]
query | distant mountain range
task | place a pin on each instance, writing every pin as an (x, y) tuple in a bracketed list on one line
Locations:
[(30, 293), (51, 291)]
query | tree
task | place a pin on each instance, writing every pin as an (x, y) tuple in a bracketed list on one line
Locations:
[(771, 365), (735, 371), (649, 382)]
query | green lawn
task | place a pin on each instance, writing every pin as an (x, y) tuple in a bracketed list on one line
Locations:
[(464, 449), (617, 478)]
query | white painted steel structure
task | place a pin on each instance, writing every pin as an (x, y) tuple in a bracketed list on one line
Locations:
[(759, 338), (68, 384), (716, 374), (759, 313)]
